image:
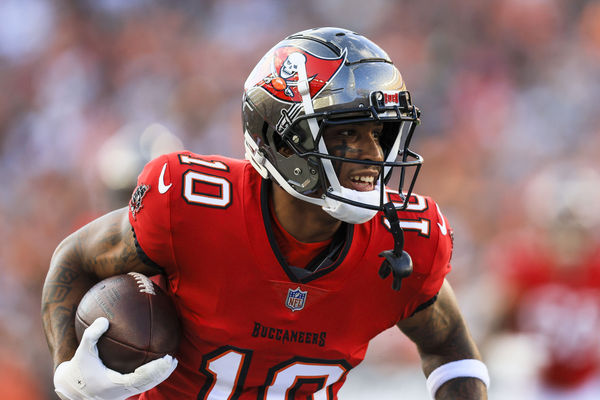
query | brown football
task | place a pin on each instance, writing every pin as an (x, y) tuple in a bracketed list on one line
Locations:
[(143, 321)]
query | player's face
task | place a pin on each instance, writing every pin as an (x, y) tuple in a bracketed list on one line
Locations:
[(359, 142)]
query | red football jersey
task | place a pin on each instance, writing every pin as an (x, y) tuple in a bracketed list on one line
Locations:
[(251, 328), (558, 305)]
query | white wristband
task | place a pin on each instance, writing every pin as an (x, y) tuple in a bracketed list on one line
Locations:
[(469, 368)]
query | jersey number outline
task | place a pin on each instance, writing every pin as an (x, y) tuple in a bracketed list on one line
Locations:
[(421, 225), (205, 189), (227, 367)]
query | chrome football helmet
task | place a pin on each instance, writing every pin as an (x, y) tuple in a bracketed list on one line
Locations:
[(319, 78)]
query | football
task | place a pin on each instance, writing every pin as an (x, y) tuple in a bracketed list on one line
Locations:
[(143, 321)]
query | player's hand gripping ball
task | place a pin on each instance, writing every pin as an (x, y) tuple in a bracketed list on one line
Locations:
[(143, 321)]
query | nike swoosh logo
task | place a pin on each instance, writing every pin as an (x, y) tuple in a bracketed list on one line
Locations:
[(162, 188), (443, 225)]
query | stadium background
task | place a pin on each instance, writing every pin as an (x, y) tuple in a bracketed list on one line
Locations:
[(92, 89)]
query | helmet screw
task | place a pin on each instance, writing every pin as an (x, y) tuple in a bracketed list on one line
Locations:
[(296, 139), (313, 171), (297, 171)]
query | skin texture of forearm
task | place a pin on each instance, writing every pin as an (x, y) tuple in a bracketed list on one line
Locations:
[(458, 345), (442, 336), (449, 340), (65, 284), (100, 249)]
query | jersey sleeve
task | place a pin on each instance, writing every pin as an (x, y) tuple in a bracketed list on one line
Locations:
[(431, 260), (150, 212)]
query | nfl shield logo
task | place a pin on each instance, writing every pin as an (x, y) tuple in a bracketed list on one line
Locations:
[(295, 299)]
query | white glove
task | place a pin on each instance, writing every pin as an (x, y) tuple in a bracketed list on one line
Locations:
[(85, 377)]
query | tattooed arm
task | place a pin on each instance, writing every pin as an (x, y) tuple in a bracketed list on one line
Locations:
[(441, 336), (103, 248)]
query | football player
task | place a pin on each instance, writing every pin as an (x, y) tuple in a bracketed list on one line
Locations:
[(283, 266), (548, 276)]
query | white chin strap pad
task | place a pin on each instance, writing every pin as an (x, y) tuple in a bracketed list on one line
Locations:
[(352, 214)]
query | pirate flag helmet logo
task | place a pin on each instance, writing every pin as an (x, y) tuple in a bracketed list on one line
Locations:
[(278, 72)]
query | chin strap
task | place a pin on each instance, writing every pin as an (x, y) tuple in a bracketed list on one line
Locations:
[(397, 261)]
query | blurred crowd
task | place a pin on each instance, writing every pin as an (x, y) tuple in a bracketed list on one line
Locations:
[(509, 92)]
